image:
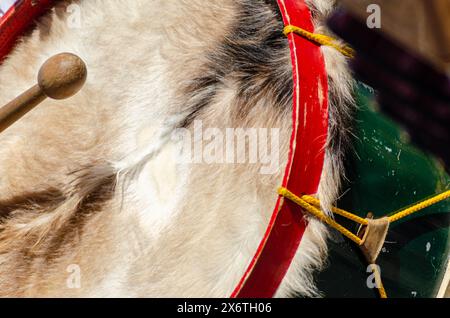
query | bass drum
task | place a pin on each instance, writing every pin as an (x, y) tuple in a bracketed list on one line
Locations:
[(386, 173)]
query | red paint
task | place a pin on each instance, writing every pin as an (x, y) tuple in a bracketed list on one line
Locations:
[(17, 21), (310, 117), (304, 169)]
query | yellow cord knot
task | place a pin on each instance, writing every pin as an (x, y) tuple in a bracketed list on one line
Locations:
[(312, 206), (320, 39)]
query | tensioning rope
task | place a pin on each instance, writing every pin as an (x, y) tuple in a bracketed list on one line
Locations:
[(312, 206), (320, 39)]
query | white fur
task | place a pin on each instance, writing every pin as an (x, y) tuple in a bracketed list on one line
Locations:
[(176, 231)]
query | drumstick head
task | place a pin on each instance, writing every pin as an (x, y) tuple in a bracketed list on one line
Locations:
[(62, 76)]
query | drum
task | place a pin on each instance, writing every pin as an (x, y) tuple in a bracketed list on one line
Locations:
[(385, 173)]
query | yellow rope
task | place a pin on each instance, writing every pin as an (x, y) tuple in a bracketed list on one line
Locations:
[(315, 202), (319, 214), (312, 206), (419, 206), (320, 39), (379, 281)]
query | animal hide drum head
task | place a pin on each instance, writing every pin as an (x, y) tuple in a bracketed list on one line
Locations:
[(386, 173)]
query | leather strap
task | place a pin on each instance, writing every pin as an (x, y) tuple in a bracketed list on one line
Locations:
[(374, 238)]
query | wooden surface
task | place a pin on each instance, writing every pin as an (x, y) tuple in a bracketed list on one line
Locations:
[(420, 25), (16, 109)]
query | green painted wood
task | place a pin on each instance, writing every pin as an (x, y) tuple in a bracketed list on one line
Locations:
[(387, 173)]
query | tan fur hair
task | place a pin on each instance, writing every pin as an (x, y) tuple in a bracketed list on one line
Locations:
[(91, 182)]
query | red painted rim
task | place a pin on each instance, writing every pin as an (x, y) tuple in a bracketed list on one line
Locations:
[(277, 249), (17, 20), (307, 146)]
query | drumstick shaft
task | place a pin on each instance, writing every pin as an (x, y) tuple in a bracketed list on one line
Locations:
[(20, 106), (60, 77)]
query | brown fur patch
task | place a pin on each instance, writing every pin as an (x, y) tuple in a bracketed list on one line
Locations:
[(41, 200), (101, 191), (255, 56)]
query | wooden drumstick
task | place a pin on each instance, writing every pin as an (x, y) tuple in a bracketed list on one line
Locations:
[(60, 77)]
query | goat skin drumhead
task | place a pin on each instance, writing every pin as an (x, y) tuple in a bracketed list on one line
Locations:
[(385, 173)]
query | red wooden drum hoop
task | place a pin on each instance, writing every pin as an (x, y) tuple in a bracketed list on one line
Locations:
[(307, 146), (305, 164), (17, 20)]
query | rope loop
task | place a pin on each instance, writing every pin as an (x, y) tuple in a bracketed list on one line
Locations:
[(313, 206), (320, 39)]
